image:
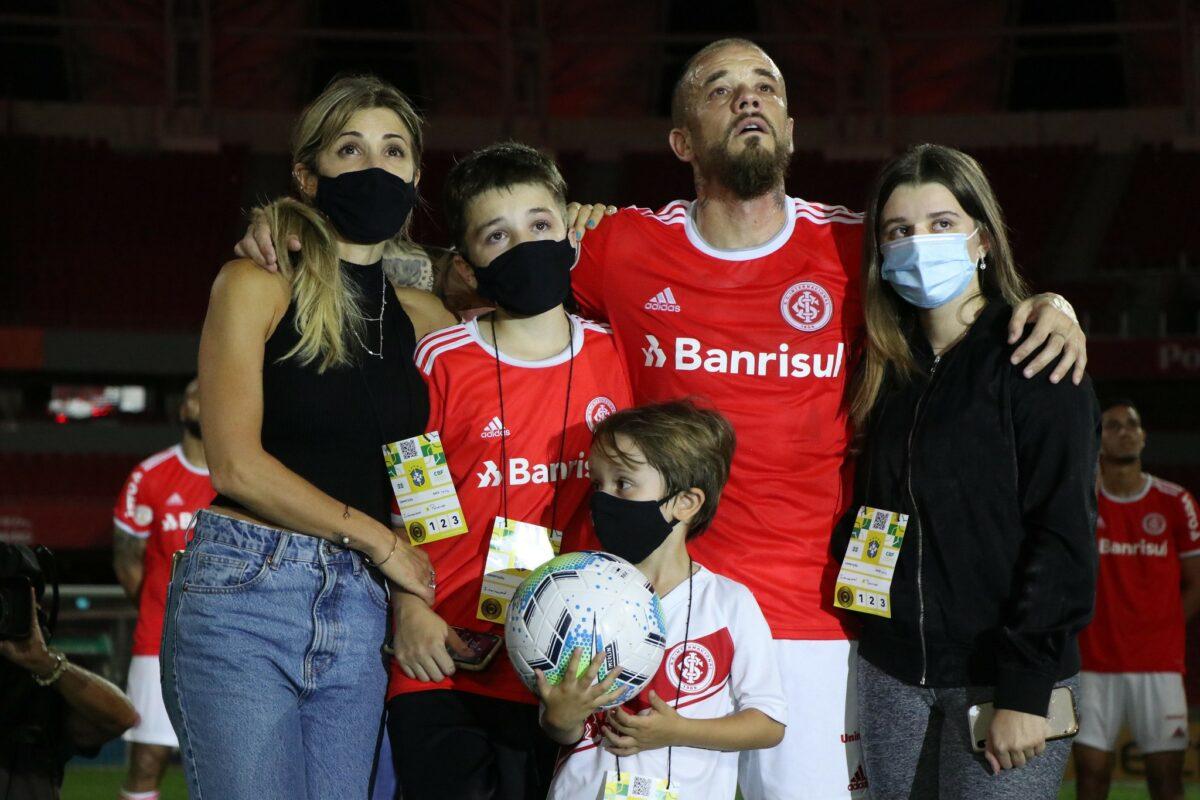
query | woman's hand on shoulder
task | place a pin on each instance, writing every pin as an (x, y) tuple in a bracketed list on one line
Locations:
[(426, 311)]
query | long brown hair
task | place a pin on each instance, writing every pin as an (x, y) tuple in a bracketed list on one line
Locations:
[(890, 320), (326, 302)]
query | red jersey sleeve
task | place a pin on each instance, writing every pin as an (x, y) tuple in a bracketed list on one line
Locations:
[(587, 277), (136, 509), (1187, 536)]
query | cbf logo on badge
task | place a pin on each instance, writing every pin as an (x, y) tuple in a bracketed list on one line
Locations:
[(806, 306)]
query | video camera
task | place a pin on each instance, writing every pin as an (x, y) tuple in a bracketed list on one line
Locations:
[(21, 569)]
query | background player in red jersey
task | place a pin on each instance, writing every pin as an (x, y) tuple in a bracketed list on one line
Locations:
[(1148, 532), (150, 522), (750, 299), (515, 395)]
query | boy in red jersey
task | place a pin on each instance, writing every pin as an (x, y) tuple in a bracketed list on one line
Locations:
[(1148, 532), (515, 395), (150, 523)]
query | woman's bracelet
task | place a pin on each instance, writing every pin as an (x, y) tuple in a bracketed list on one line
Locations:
[(392, 552)]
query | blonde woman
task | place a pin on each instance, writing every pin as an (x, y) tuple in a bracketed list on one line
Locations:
[(996, 473), (271, 649)]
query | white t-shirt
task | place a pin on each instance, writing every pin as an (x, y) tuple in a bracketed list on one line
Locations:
[(729, 666)]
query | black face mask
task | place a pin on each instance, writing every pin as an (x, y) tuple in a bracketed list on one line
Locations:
[(631, 529), (530, 278), (366, 206)]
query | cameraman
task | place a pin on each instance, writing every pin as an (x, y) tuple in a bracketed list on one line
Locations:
[(50, 709)]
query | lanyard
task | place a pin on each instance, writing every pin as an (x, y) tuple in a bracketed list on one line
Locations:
[(562, 439), (687, 630)]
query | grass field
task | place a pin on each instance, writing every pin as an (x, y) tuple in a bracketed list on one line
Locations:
[(102, 783)]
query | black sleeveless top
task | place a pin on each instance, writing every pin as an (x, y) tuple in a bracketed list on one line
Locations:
[(329, 428)]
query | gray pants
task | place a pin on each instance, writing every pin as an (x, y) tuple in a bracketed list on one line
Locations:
[(916, 745)]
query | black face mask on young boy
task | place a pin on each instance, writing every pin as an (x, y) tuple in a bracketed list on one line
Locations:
[(631, 529), (528, 279)]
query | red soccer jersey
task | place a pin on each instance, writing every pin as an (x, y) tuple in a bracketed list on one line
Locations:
[(464, 407), (1139, 624), (157, 504), (768, 336)]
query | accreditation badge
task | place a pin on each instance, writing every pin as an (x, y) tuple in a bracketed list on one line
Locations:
[(424, 490), (629, 786), (864, 582), (515, 550)]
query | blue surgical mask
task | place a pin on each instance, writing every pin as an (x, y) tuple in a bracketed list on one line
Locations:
[(929, 270)]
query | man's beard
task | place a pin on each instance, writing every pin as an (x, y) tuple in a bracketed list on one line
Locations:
[(752, 173), (1123, 460), (192, 426)]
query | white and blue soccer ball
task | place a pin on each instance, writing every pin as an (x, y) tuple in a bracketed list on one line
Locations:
[(593, 601)]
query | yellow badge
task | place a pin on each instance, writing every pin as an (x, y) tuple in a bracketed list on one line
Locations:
[(628, 786), (424, 490), (516, 548), (865, 580)]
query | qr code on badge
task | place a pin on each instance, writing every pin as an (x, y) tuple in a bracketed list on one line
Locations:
[(880, 521), (641, 786), (408, 449)]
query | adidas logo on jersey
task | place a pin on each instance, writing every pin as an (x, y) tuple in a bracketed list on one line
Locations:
[(175, 499), (691, 356), (663, 301), (521, 471), (494, 430), (859, 781)]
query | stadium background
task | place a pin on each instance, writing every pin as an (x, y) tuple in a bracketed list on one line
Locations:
[(135, 134)]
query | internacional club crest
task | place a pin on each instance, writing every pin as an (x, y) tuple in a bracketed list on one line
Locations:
[(692, 670), (600, 409), (1154, 523), (806, 306)]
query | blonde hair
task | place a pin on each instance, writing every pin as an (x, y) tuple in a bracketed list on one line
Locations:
[(326, 303), (890, 320)]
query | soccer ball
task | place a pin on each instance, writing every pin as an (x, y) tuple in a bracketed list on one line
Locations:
[(592, 601)]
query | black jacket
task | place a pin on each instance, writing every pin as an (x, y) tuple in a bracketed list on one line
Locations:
[(997, 572)]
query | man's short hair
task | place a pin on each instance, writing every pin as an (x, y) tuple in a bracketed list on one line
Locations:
[(680, 96), (688, 445), (1112, 402), (497, 166)]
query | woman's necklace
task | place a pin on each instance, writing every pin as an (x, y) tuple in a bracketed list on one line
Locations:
[(379, 319)]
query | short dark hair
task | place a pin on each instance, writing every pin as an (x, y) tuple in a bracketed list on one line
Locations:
[(497, 166), (688, 445), (679, 95), (1112, 402)]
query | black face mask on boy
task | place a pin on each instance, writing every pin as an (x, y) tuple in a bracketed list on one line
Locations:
[(528, 279), (368, 205), (631, 529)]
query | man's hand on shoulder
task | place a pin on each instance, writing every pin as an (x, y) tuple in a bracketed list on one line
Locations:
[(258, 244)]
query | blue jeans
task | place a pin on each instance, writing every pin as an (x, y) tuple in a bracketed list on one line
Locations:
[(271, 668)]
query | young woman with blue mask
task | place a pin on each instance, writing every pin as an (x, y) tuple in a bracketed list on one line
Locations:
[(995, 472)]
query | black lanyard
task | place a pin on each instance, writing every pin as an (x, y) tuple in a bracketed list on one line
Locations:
[(687, 630), (562, 439)]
